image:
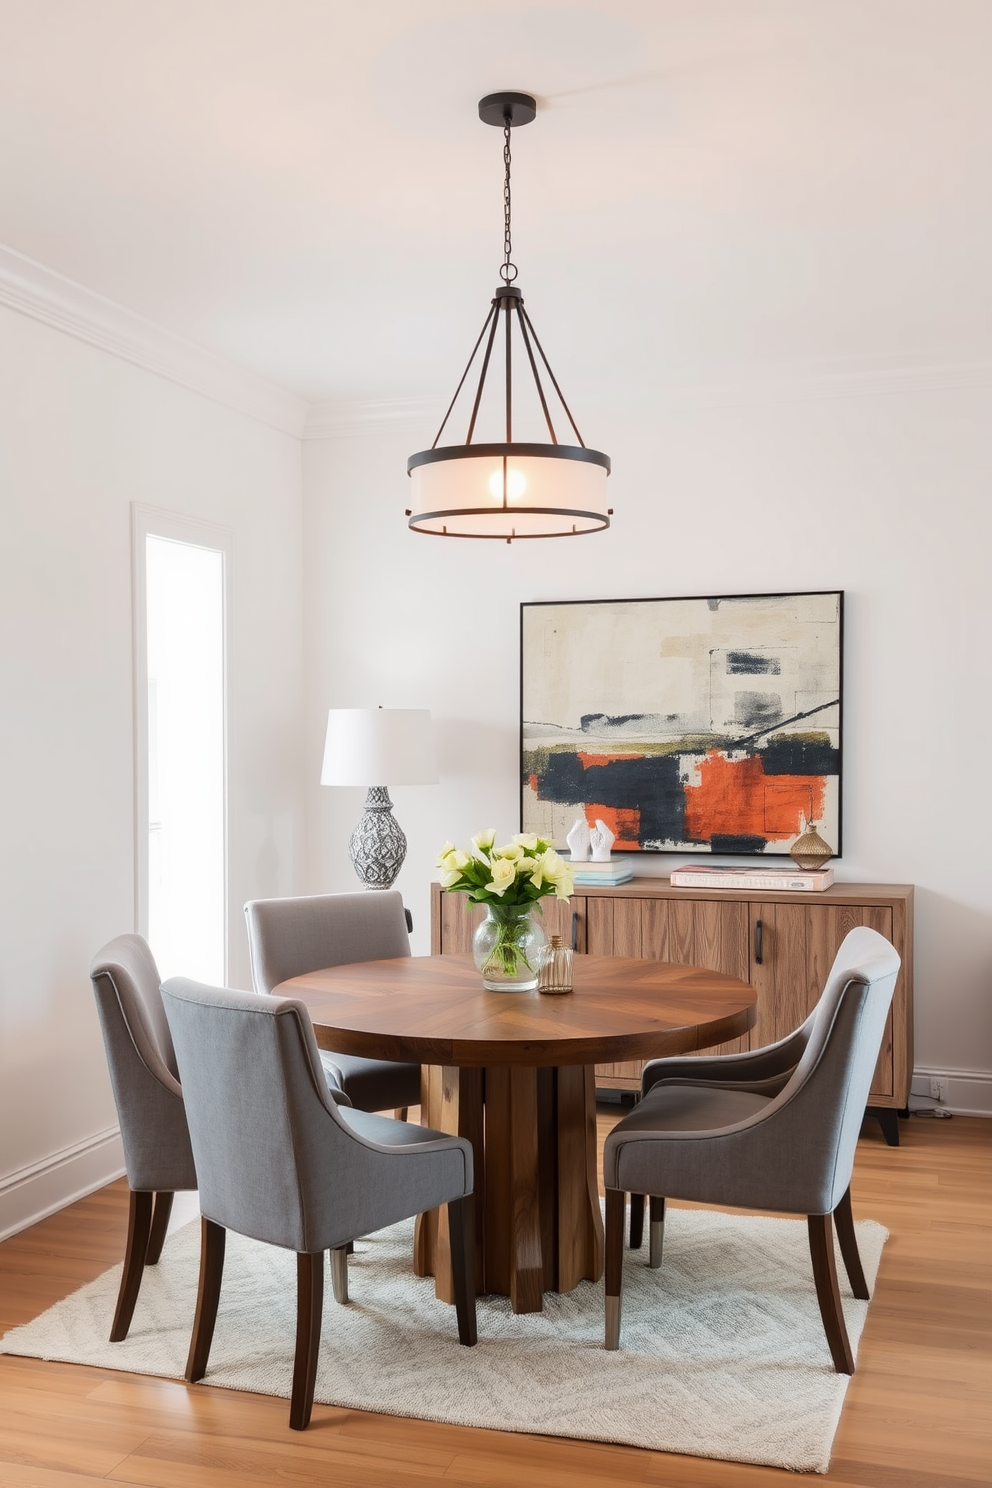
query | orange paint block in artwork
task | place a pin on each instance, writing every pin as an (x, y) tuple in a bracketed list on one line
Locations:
[(735, 798), (588, 760), (623, 821)]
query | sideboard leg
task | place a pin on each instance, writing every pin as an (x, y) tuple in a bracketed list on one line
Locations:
[(888, 1120)]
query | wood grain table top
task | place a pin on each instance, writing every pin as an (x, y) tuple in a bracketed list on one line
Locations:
[(434, 1010)]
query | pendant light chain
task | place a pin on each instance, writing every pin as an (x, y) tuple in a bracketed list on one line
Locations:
[(508, 272)]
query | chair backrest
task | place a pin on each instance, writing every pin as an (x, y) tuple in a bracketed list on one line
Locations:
[(827, 1092), (288, 937), (143, 1069), (274, 1158)]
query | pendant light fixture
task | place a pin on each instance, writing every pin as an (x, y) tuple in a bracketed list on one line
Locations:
[(509, 490)]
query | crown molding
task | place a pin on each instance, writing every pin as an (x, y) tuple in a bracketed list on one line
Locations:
[(39, 292), (34, 290), (343, 420), (859, 378)]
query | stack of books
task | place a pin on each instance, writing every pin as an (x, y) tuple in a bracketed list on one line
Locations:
[(616, 871), (792, 880)]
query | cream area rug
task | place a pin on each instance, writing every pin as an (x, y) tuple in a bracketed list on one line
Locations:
[(723, 1353)]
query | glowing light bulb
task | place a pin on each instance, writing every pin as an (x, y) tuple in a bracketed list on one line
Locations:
[(516, 485)]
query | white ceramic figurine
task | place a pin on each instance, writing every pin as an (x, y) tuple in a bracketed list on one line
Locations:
[(601, 840), (578, 841)]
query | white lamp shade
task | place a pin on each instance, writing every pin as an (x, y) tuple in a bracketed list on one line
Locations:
[(379, 746), (485, 495)]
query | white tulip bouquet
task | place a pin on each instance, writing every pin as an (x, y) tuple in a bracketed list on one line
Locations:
[(524, 870), (510, 881)]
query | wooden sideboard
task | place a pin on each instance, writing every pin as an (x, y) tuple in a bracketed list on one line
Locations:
[(783, 944)]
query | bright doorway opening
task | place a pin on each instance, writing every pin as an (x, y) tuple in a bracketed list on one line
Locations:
[(181, 729)]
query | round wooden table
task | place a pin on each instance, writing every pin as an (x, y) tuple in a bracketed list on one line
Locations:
[(514, 1073)]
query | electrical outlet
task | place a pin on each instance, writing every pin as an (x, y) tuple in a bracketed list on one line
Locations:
[(938, 1089)]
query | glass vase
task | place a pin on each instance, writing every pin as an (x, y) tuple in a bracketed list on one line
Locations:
[(508, 947)]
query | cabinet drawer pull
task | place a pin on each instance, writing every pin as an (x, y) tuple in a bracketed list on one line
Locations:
[(575, 930), (757, 942)]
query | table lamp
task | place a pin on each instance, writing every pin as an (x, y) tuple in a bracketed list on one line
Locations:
[(394, 746)]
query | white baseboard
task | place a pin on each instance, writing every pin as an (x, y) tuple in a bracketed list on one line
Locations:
[(969, 1092), (34, 1192)]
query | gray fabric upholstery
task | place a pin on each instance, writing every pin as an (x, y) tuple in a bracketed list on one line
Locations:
[(289, 937), (372, 1084), (276, 1157), (765, 1071), (742, 1142), (685, 1106), (143, 1071)]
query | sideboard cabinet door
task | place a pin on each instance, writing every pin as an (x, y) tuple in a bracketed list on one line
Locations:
[(693, 932), (792, 949)]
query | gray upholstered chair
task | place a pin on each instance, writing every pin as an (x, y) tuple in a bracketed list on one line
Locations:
[(279, 1160), (773, 1130), (289, 937), (157, 1152)]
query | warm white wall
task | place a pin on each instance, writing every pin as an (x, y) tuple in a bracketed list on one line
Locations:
[(82, 435), (882, 493)]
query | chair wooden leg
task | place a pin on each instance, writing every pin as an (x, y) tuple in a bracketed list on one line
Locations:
[(160, 1226), (636, 1221), (401, 1112), (339, 1274), (844, 1221), (616, 1201), (139, 1223), (213, 1240), (821, 1249), (461, 1239), (657, 1232), (309, 1310)]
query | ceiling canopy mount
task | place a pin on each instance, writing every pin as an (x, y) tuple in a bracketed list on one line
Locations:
[(507, 108)]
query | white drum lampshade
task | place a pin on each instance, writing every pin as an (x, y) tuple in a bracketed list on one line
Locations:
[(509, 491), (377, 748)]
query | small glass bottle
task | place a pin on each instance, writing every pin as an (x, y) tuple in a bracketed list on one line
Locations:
[(555, 975)]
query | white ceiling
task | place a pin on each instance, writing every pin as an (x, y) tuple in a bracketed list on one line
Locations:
[(711, 186)]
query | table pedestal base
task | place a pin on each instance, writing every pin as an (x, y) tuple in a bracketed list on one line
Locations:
[(538, 1222)]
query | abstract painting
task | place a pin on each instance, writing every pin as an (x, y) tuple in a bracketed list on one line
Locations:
[(687, 725)]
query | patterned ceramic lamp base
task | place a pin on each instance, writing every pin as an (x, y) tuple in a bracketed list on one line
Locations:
[(378, 844)]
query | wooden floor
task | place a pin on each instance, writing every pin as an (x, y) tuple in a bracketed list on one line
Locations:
[(918, 1412)]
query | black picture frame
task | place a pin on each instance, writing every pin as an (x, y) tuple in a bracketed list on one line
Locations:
[(689, 724)]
